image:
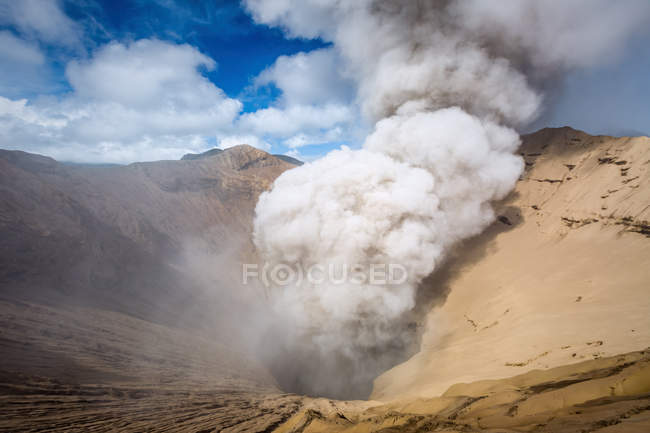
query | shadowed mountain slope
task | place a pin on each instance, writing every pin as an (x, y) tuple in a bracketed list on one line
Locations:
[(76, 230), (119, 276)]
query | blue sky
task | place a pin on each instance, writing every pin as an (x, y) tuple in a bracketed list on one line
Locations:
[(220, 29), (73, 60), (127, 80)]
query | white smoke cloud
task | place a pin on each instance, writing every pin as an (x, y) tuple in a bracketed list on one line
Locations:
[(575, 33), (446, 83)]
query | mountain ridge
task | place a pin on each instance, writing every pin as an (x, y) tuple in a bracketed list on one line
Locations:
[(217, 151)]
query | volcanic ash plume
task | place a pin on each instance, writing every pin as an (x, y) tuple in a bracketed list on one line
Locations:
[(445, 90)]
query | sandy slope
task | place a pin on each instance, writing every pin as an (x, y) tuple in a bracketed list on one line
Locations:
[(145, 239), (564, 277), (604, 395), (80, 369)]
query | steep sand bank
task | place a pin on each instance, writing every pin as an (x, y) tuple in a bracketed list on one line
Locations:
[(604, 395), (562, 277)]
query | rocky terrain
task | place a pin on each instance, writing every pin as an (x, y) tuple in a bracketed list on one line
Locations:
[(118, 310)]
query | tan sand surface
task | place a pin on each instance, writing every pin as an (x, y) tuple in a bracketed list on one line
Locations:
[(562, 278)]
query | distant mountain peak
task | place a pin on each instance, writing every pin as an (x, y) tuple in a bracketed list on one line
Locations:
[(289, 159), (206, 154), (241, 148)]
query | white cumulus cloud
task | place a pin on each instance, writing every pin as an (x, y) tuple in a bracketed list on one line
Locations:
[(316, 104), (235, 140), (41, 19), (315, 77), (139, 101)]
